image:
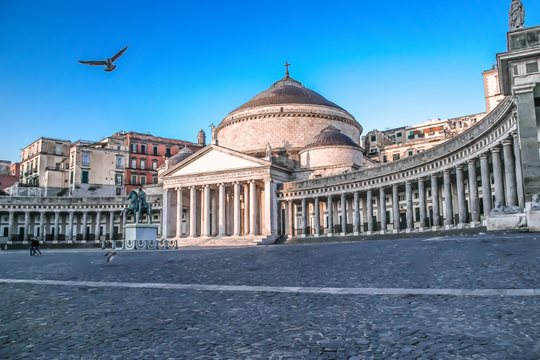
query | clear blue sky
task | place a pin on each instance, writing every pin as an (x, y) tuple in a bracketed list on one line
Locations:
[(189, 63)]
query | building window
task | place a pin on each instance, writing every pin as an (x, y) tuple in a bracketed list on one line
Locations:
[(516, 70), (133, 163), (401, 197), (134, 148), (85, 158), (119, 162), (168, 152), (84, 177), (133, 179), (155, 151), (119, 180), (399, 134), (154, 179), (384, 158), (143, 149), (410, 153), (532, 68), (71, 177), (58, 149), (154, 164), (143, 180), (143, 164), (395, 157), (373, 138)]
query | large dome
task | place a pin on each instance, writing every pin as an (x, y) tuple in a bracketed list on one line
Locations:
[(288, 91), (287, 116)]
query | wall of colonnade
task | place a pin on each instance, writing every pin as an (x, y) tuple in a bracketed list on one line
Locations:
[(62, 219), (453, 185)]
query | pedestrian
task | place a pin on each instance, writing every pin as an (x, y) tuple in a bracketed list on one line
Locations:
[(34, 247)]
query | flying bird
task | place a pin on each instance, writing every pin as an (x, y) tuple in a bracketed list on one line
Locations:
[(111, 254), (109, 66)]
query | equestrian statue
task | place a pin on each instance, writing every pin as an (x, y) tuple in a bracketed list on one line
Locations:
[(138, 206)]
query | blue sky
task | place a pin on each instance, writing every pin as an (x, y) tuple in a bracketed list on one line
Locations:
[(189, 63)]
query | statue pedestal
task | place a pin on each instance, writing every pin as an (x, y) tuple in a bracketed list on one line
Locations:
[(533, 221), (506, 222), (141, 236)]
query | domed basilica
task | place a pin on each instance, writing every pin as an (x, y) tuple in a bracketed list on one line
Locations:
[(285, 133)]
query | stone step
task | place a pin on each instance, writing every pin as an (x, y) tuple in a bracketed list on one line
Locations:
[(216, 242)]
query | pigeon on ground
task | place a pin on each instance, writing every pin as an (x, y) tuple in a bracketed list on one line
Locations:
[(109, 66), (111, 254)]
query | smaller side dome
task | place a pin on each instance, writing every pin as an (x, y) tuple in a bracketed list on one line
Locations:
[(331, 136), (181, 156)]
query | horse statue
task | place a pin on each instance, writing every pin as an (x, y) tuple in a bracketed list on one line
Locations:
[(138, 206)]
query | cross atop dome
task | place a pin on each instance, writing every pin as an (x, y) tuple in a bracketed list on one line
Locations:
[(287, 69)]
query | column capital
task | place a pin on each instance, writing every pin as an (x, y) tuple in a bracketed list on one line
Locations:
[(483, 156), (178, 188), (446, 171), (495, 149), (514, 135), (165, 189), (471, 161), (507, 142), (459, 167)]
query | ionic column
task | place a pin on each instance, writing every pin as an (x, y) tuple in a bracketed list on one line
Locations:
[(509, 174), (11, 222), (497, 175), (192, 212), (408, 198), (382, 209), (56, 225), (395, 207), (317, 219), (304, 216), (26, 225), (164, 215), (41, 226), (236, 209), (98, 227), (356, 214), (422, 202), (486, 184), (460, 185), (246, 209), (290, 218), (207, 230), (179, 211), (519, 172), (343, 215), (369, 215), (449, 219), (85, 224), (70, 227), (473, 192), (252, 208), (330, 213), (221, 210), (435, 201)]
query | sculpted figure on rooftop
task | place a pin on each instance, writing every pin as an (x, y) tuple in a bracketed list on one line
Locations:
[(517, 15)]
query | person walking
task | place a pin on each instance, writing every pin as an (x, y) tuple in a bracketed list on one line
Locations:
[(34, 247)]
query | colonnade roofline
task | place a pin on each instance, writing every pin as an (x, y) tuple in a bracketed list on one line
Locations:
[(472, 143)]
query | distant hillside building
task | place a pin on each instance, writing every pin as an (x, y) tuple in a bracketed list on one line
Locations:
[(492, 89), (395, 144)]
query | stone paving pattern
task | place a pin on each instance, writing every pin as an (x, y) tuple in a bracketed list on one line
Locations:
[(78, 322)]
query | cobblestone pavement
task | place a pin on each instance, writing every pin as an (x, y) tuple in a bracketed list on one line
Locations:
[(82, 322)]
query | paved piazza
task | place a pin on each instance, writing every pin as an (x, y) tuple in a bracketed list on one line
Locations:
[(363, 300)]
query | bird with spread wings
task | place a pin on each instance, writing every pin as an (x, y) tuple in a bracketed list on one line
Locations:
[(109, 66)]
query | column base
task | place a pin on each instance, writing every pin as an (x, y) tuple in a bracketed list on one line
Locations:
[(303, 235), (343, 234), (462, 226), (382, 232), (408, 231), (356, 233), (369, 232), (316, 235), (395, 231), (55, 241), (475, 224), (330, 234), (449, 227), (435, 228)]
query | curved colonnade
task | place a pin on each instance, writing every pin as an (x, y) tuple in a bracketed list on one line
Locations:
[(455, 184), (69, 220)]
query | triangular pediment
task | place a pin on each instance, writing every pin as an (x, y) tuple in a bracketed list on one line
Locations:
[(214, 158)]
